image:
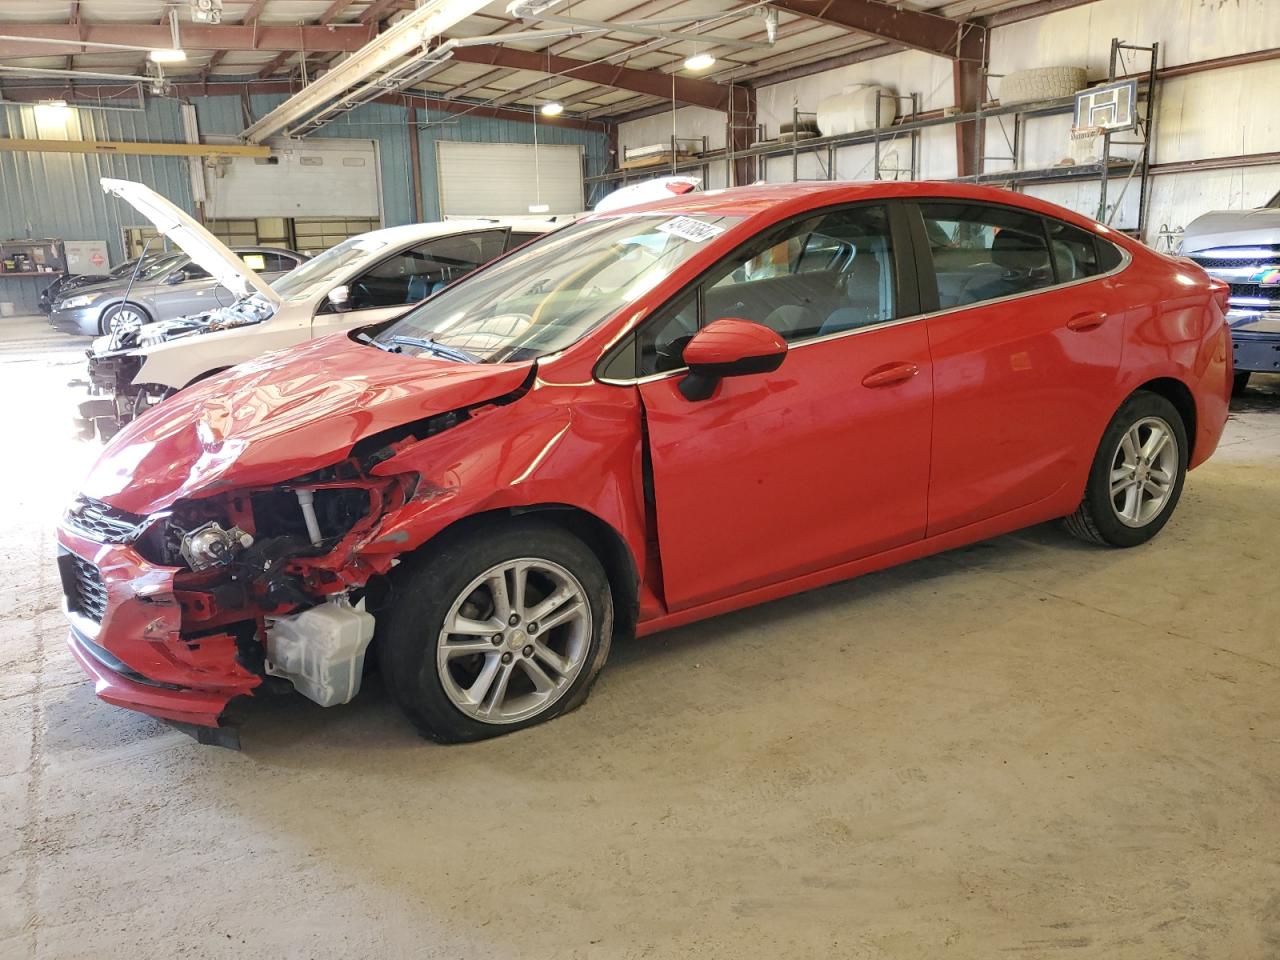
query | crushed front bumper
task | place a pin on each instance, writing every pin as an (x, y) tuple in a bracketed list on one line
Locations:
[(128, 634)]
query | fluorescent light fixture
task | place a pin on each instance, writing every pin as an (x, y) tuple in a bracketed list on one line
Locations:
[(700, 61), (524, 9), (539, 208), (168, 56), (552, 109), (52, 110)]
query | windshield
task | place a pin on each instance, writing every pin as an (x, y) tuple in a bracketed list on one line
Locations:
[(163, 264), (544, 298), (304, 281), (1274, 201)]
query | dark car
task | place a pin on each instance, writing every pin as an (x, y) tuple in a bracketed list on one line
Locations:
[(60, 289)]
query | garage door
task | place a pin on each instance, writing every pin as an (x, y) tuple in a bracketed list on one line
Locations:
[(312, 178), (506, 179)]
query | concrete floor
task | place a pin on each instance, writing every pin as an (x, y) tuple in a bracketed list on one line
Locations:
[(1030, 747)]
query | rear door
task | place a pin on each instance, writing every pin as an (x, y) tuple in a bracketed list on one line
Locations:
[(1025, 356), (408, 276), (820, 462)]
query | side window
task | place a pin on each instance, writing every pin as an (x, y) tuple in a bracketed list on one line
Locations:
[(415, 274), (270, 262), (985, 252), (1074, 254), (193, 271), (257, 262), (828, 274), (661, 340)]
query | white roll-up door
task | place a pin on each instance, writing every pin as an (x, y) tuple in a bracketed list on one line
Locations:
[(307, 178), (506, 179)]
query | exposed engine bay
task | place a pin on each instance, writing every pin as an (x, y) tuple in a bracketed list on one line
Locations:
[(114, 362)]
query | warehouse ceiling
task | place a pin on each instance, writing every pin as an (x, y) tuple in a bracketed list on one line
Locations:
[(267, 41)]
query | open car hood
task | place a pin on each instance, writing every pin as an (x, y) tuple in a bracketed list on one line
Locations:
[(194, 240), (280, 416)]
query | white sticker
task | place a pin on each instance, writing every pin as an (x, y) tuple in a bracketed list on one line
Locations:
[(687, 228)]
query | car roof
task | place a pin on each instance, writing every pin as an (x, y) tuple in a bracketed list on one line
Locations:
[(443, 228), (787, 198)]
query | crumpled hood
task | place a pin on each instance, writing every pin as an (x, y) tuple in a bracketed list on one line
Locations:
[(1232, 228), (280, 416)]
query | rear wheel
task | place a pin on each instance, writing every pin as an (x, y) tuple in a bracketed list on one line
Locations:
[(1137, 475), (123, 316), (496, 631)]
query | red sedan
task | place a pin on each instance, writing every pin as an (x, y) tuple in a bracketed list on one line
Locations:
[(646, 418)]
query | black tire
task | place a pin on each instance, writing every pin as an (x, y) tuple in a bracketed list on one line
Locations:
[(104, 322), (1096, 520), (1240, 383), (424, 592)]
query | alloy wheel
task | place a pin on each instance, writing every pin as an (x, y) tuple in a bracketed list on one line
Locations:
[(126, 318), (1144, 469), (514, 640)]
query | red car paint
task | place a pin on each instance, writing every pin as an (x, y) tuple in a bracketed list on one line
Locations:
[(860, 451)]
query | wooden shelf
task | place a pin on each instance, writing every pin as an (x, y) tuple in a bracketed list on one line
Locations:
[(32, 273)]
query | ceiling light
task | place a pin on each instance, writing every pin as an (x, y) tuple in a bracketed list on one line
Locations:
[(206, 11), (52, 110), (552, 109), (164, 55), (525, 9), (700, 61), (539, 208)]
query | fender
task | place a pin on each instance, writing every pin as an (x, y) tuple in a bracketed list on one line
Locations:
[(525, 454)]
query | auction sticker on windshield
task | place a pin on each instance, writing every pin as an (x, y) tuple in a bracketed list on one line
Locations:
[(687, 228)]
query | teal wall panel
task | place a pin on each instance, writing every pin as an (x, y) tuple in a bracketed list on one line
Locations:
[(58, 195)]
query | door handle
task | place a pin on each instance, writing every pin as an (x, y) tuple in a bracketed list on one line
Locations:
[(1089, 320), (890, 374)]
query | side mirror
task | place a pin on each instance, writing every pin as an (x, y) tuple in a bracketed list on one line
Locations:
[(178, 276), (340, 297), (729, 348)]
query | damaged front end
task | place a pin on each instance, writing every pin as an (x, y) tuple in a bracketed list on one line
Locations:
[(178, 613)]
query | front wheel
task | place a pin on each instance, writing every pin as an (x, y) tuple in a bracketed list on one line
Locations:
[(1240, 383), (496, 631), (1137, 475), (123, 316)]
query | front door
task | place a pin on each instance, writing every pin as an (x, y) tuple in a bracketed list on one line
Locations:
[(824, 460)]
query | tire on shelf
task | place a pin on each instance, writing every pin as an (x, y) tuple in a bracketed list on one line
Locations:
[(1041, 83)]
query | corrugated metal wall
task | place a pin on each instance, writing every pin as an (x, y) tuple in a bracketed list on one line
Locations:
[(57, 195)]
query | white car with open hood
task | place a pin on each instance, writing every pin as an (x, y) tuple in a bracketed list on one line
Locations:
[(361, 281)]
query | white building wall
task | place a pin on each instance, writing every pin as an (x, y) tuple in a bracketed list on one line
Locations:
[(1217, 113)]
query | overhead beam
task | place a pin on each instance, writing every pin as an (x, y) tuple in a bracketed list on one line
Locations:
[(138, 149), (249, 19), (237, 36), (384, 52), (33, 93), (943, 36), (687, 90)]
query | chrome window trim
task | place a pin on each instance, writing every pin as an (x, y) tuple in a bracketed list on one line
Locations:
[(1126, 259)]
